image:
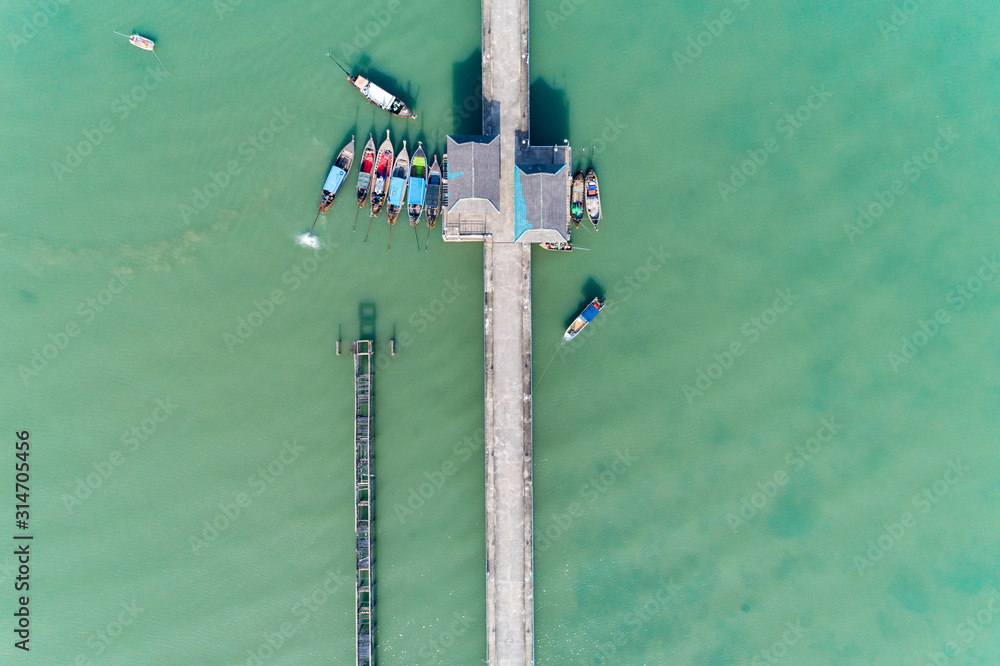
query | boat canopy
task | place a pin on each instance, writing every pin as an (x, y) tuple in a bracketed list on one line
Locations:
[(396, 187), (590, 312), (418, 190), (334, 180), (374, 93)]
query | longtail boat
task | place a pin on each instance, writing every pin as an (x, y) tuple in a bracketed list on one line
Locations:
[(558, 247), (397, 186), (584, 318), (576, 199), (432, 206), (593, 198), (365, 171), (383, 166), (418, 185), (376, 95), (338, 174), (144, 43)]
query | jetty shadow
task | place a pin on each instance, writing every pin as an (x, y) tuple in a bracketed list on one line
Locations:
[(549, 124), (467, 95), (591, 289), (366, 316)]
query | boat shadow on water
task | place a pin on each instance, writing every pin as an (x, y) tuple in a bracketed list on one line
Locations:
[(387, 82), (591, 289)]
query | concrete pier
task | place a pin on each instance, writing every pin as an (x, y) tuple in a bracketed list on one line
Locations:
[(507, 328)]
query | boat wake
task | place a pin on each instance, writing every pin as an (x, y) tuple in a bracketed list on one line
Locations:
[(308, 240)]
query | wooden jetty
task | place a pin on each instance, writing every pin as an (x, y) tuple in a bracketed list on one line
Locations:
[(364, 498)]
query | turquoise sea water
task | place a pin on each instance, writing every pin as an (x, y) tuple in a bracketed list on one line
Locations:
[(743, 461)]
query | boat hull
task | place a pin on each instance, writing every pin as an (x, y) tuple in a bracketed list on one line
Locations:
[(365, 169), (337, 176), (585, 317), (144, 43), (593, 194), (432, 202), (397, 186), (383, 167), (417, 186), (576, 203)]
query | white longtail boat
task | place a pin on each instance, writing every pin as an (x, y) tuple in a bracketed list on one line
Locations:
[(377, 95), (144, 43)]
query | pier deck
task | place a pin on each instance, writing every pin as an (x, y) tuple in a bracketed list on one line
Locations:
[(507, 349), (364, 500)]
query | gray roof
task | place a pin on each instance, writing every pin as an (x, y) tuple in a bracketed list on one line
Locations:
[(540, 200), (474, 169)]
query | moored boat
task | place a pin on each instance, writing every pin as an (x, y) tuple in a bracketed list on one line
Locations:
[(144, 43), (432, 205), (365, 169), (338, 174), (377, 95), (383, 167), (593, 198), (584, 318), (417, 185), (397, 185), (558, 247), (576, 199)]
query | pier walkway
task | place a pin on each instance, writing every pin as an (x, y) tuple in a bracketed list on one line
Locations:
[(507, 328), (364, 501)]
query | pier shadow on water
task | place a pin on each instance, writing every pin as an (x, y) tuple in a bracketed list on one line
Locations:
[(366, 316), (467, 95), (549, 114), (591, 289)]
